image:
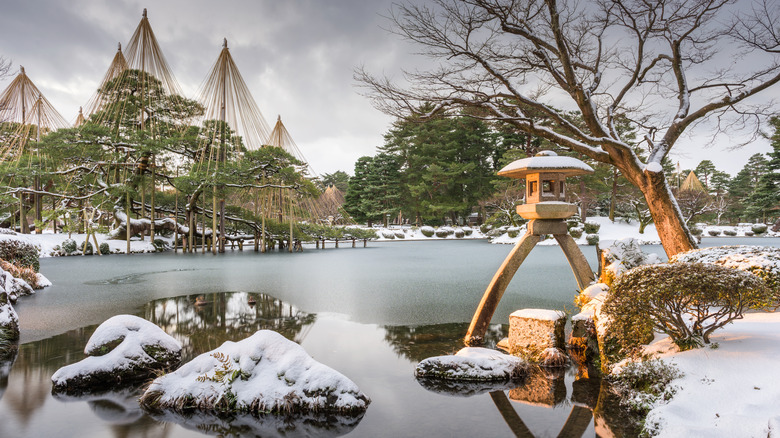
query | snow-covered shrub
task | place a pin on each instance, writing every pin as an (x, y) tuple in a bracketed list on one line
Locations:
[(69, 246), (687, 301), (484, 228), (442, 232), (450, 231), (387, 234), (761, 261), (427, 231), (468, 231), (749, 233), (592, 239), (592, 227), (400, 234), (621, 256), (696, 231), (758, 229), (263, 373), (159, 245), (713, 232), (575, 232), (104, 248), (512, 232), (459, 233), (642, 385), (88, 250), (572, 223), (19, 253), (730, 233)]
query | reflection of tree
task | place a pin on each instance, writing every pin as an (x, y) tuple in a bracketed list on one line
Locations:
[(423, 341), (227, 316)]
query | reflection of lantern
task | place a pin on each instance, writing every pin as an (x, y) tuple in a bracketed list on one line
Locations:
[(546, 208), (545, 184)]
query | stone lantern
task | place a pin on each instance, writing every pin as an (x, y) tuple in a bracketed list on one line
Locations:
[(546, 209)]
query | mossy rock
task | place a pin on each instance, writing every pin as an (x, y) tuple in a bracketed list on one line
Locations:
[(758, 229)]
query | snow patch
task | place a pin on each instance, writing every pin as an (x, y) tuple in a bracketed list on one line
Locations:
[(540, 314), (473, 363)]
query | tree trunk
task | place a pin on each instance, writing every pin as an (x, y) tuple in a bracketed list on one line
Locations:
[(674, 234)]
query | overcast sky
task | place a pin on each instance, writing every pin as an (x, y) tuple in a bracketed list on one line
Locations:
[(297, 57)]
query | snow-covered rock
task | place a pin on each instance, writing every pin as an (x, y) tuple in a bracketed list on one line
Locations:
[(123, 350), (262, 373), (9, 321), (474, 364)]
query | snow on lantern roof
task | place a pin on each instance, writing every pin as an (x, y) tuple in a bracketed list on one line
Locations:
[(545, 161)]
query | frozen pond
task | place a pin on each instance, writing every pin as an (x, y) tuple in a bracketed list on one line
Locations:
[(370, 313)]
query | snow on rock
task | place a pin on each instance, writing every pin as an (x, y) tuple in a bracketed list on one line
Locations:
[(9, 321), (14, 287), (474, 364), (541, 314), (123, 350), (263, 373)]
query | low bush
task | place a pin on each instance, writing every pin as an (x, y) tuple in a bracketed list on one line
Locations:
[(459, 233), (69, 246), (713, 232), (572, 223), (400, 234), (758, 229), (427, 231), (730, 233), (387, 234), (696, 231), (25, 273), (441, 233), (592, 239), (641, 385), (575, 232), (761, 261), (592, 227), (104, 248), (687, 301), (159, 245), (89, 250), (20, 253), (468, 231), (513, 232), (484, 228)]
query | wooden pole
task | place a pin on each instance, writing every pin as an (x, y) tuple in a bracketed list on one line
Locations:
[(154, 189), (290, 243), (127, 221)]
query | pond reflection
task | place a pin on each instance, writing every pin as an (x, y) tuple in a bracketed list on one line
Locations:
[(204, 322)]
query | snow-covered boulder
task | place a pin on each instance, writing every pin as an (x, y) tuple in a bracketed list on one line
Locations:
[(13, 286), (474, 364), (124, 349), (9, 322), (263, 373)]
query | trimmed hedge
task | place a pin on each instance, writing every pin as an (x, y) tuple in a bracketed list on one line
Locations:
[(592, 227), (592, 239), (687, 301)]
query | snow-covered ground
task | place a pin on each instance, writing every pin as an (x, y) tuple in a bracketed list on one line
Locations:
[(49, 243), (729, 389)]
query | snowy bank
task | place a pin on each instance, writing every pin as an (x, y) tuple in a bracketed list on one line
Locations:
[(124, 349), (263, 373), (728, 389), (473, 363)]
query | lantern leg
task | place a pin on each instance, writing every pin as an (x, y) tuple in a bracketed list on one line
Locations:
[(577, 261), (496, 288)]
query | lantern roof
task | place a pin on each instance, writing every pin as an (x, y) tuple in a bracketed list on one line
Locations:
[(545, 161)]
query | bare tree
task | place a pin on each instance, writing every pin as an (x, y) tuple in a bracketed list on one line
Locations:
[(665, 66)]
